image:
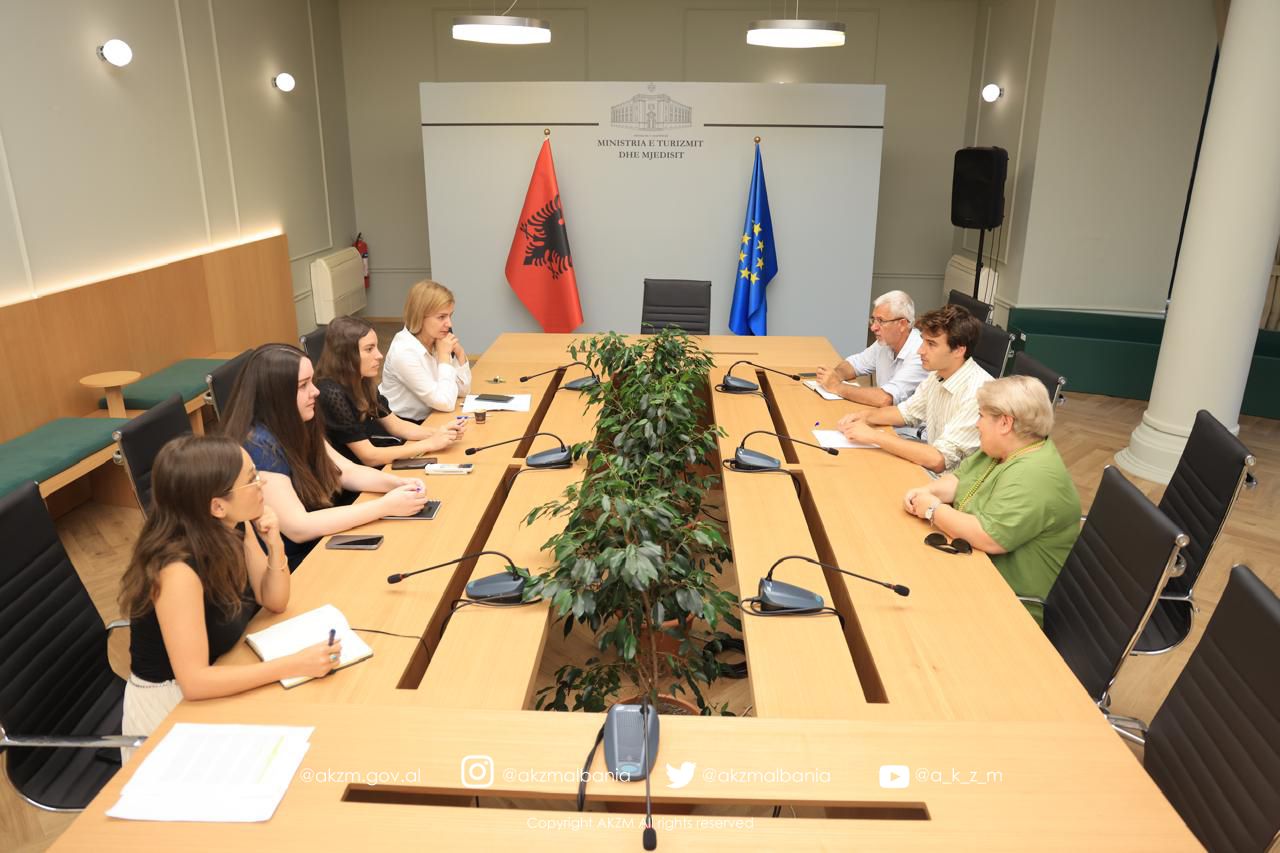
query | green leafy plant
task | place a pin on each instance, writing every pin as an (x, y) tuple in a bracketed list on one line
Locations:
[(635, 561)]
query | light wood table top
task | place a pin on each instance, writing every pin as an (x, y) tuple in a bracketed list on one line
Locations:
[(955, 677), (970, 786), (111, 382)]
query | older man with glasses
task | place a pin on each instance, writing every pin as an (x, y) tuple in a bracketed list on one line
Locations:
[(893, 358)]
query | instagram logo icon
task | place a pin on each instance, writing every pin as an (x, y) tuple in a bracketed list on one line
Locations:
[(477, 771)]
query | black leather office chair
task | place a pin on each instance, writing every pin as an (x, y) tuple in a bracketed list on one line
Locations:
[(1213, 469), (1054, 382), (979, 309), (60, 703), (676, 302), (141, 439), (1214, 745), (992, 351), (1109, 582), (313, 343), (223, 379)]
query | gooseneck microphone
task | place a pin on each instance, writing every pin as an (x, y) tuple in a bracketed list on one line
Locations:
[(650, 837), (559, 458), (574, 384), (896, 587), (503, 587), (733, 385), (754, 460)]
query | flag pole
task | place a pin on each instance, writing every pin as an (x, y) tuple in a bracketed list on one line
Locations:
[(757, 140), (546, 131)]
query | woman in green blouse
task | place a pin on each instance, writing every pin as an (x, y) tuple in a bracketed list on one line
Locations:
[(1013, 499)]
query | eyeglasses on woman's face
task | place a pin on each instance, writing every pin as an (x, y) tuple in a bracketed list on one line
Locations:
[(255, 481)]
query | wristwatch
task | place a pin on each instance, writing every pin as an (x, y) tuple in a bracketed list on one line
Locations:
[(928, 513)]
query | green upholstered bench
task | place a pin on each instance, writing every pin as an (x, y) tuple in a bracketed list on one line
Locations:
[(56, 453), (186, 377)]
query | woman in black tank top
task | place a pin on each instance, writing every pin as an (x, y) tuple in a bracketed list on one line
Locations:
[(197, 576)]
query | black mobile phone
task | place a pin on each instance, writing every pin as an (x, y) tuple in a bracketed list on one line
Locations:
[(807, 375), (494, 398), (427, 513), (415, 462), (355, 542)]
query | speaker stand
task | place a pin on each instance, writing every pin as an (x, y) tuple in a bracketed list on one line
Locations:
[(977, 274)]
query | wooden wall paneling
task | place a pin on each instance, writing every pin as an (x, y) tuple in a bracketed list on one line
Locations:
[(250, 292), (24, 372)]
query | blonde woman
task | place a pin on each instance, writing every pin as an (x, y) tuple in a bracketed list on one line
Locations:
[(426, 368), (1013, 499)]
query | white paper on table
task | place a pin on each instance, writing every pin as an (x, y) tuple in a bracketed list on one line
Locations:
[(519, 403), (822, 392), (215, 774), (835, 438)]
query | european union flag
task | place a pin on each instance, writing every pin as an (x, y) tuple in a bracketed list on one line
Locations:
[(757, 260)]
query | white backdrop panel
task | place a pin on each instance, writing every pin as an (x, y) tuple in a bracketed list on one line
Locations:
[(630, 217)]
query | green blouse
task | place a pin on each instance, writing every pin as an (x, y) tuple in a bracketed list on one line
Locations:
[(1029, 506)]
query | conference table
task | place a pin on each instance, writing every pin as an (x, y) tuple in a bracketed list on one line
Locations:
[(941, 720)]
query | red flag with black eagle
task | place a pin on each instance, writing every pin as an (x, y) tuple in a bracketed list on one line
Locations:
[(539, 266)]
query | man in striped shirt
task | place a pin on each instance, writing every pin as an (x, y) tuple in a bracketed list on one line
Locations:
[(944, 402)]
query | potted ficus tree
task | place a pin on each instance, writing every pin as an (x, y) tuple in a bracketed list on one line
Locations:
[(636, 562)]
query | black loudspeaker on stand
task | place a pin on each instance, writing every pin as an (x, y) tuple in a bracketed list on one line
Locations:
[(977, 194)]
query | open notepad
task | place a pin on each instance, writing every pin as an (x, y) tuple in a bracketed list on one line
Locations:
[(307, 629), (822, 392)]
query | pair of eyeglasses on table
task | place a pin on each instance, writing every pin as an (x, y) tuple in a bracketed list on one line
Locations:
[(955, 546)]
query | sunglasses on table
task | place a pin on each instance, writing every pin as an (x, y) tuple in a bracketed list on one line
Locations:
[(955, 546)]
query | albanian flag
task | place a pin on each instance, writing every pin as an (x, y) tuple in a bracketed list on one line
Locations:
[(539, 266)]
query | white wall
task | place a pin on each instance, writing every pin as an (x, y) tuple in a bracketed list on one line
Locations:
[(920, 49), (629, 217), (106, 169), (1102, 107)]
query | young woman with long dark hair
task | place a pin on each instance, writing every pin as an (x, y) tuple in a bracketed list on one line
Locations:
[(272, 413), (197, 576), (358, 420)]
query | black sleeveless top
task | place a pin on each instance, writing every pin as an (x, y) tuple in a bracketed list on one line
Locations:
[(150, 659)]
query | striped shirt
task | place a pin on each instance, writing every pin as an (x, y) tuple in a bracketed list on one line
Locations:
[(949, 410)]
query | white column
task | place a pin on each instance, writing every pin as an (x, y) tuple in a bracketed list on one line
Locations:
[(1228, 248)]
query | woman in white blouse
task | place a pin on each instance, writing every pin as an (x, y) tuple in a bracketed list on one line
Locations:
[(426, 368)]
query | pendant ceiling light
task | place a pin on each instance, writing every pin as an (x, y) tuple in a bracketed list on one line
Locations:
[(794, 32), (501, 29)]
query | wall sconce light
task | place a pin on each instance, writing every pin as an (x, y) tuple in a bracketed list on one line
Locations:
[(115, 52), (991, 93), (283, 81)]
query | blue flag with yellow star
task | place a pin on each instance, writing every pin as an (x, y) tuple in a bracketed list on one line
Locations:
[(757, 260)]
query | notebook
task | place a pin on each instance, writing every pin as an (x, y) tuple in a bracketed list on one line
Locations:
[(293, 635)]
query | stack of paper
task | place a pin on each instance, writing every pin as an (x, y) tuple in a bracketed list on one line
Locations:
[(215, 774), (518, 403), (293, 635), (835, 438), (822, 392)]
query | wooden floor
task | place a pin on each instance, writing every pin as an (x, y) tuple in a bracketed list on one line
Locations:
[(1089, 432)]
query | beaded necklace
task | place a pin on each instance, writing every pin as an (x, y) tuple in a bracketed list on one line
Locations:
[(973, 490)]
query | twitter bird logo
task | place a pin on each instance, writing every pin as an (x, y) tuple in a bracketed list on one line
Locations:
[(678, 777)]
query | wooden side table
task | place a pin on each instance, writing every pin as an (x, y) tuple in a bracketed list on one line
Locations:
[(112, 382)]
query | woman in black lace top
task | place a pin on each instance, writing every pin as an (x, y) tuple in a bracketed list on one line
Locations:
[(358, 422)]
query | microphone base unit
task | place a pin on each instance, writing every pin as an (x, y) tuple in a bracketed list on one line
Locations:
[(582, 383), (753, 460), (625, 752), (734, 385), (776, 595), (560, 458), (497, 589)]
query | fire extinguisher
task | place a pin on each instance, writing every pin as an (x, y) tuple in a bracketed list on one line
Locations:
[(363, 248)]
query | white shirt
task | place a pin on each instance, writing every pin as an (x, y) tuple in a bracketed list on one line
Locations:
[(949, 409), (898, 375), (414, 382)]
